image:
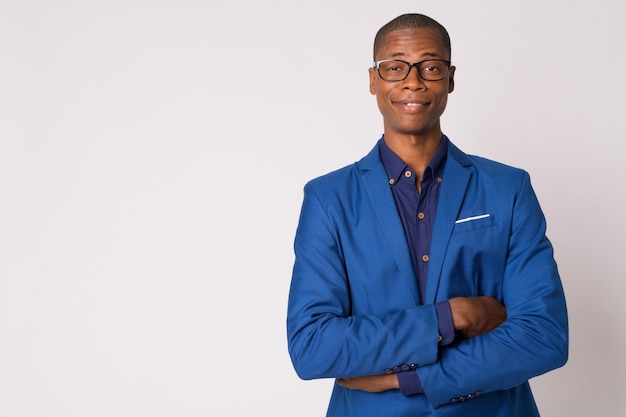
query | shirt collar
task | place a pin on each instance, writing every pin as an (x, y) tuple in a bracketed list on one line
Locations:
[(395, 167)]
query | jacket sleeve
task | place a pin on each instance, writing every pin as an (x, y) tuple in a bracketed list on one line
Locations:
[(326, 338), (534, 338)]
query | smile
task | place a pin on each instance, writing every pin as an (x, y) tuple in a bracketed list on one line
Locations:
[(412, 106), (411, 102)]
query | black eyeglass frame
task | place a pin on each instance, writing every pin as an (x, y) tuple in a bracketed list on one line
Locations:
[(412, 64)]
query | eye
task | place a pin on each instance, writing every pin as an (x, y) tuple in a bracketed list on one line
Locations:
[(393, 70), (392, 66), (432, 68)]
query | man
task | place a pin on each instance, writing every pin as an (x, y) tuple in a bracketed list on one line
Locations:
[(423, 280)]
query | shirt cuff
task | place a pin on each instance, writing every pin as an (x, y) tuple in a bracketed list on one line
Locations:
[(446, 325), (410, 383)]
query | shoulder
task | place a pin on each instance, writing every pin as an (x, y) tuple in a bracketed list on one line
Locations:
[(486, 169), (334, 179), (495, 167), (347, 177)]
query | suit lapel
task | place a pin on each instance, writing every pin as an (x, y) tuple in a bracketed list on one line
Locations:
[(381, 199), (451, 195)]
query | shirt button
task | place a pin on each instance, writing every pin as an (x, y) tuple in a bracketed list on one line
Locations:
[(420, 216), (391, 181), (439, 179), (407, 174), (425, 258)]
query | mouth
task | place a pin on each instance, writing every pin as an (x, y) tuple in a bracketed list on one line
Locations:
[(412, 106)]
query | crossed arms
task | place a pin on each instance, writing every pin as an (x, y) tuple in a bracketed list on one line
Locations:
[(472, 316)]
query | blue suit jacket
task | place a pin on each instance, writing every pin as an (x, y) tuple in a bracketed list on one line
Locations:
[(354, 306)]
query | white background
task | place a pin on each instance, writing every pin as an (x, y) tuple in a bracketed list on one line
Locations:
[(152, 159)]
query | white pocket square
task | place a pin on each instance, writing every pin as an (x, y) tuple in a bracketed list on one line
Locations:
[(469, 219)]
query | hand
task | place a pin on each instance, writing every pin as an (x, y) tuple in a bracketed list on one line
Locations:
[(374, 383), (473, 316)]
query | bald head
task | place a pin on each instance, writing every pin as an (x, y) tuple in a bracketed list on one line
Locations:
[(411, 21)]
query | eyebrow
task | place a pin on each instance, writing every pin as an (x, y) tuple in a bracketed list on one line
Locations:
[(425, 54)]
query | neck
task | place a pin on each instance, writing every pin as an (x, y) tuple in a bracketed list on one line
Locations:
[(416, 151)]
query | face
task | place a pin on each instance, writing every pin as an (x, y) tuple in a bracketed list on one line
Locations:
[(412, 107)]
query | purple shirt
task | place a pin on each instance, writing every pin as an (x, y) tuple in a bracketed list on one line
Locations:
[(417, 211)]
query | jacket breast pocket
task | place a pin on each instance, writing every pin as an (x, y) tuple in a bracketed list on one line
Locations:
[(466, 224)]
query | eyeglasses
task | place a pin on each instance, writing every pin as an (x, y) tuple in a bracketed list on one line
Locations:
[(398, 70)]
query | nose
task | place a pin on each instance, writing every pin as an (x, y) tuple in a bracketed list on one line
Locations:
[(413, 81)]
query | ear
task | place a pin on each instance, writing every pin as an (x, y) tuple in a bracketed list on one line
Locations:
[(451, 79), (372, 73)]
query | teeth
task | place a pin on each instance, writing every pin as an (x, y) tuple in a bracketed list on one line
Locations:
[(412, 104)]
